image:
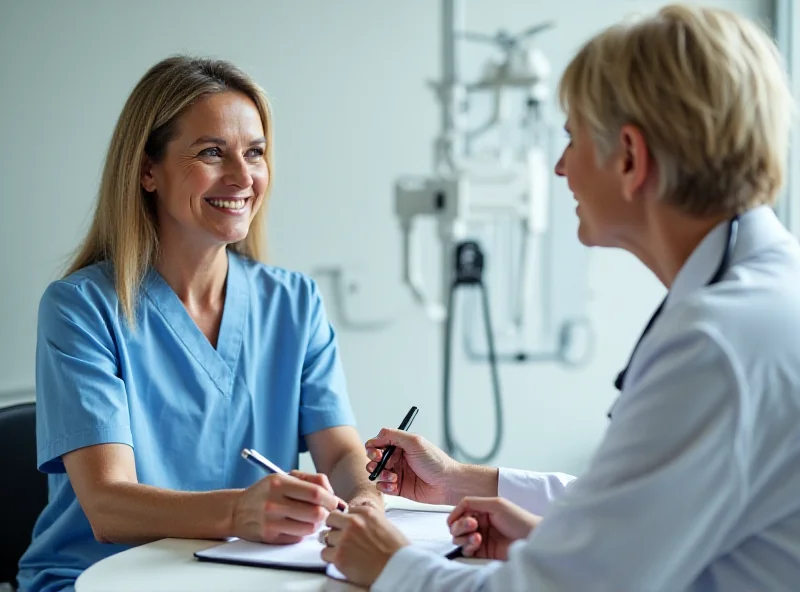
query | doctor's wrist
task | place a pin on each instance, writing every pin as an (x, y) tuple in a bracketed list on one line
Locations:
[(473, 481)]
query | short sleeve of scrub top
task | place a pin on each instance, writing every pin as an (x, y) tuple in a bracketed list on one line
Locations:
[(77, 359), (322, 377)]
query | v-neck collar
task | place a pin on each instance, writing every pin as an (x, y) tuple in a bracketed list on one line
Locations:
[(220, 363)]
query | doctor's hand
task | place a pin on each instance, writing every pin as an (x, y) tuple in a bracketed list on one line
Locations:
[(417, 469), (485, 527), (361, 543), (282, 509)]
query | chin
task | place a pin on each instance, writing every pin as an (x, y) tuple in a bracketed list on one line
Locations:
[(232, 240), (585, 237), (231, 235)]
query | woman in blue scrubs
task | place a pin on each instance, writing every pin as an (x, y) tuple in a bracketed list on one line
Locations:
[(168, 347)]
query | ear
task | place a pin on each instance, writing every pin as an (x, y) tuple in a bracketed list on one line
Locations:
[(147, 177), (634, 162)]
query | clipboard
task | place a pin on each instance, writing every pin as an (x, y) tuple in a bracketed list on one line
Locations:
[(296, 557), (424, 529)]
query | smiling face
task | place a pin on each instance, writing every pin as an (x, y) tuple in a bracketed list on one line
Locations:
[(213, 176), (611, 193), (595, 187)]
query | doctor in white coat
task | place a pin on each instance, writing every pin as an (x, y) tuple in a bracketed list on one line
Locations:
[(679, 130)]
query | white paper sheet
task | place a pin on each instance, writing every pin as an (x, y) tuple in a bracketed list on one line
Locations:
[(427, 529)]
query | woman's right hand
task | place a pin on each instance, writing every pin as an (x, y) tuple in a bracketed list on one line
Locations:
[(417, 469), (282, 509)]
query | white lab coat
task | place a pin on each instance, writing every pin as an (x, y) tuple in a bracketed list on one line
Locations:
[(696, 484), (531, 490)]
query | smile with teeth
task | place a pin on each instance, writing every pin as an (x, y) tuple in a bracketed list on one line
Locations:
[(228, 204)]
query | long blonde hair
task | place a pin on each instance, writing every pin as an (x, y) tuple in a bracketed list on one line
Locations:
[(124, 229)]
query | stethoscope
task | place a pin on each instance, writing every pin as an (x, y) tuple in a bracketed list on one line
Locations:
[(733, 231)]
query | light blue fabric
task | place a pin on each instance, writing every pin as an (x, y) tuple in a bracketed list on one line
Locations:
[(696, 484), (186, 408)]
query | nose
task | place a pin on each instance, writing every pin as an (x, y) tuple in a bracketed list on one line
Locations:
[(237, 173), (560, 169)]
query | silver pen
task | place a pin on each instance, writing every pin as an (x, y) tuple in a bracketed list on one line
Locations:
[(263, 462)]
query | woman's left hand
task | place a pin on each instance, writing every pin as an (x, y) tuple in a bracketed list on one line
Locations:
[(360, 543), (485, 527)]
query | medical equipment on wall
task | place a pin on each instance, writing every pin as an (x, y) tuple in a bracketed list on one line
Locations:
[(489, 179)]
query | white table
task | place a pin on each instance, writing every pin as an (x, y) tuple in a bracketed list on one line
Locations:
[(169, 565)]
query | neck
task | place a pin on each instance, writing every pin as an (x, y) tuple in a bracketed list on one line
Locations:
[(667, 239), (197, 276)]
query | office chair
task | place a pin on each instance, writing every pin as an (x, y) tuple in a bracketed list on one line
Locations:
[(23, 493)]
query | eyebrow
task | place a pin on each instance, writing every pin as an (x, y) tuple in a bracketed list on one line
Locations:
[(222, 142)]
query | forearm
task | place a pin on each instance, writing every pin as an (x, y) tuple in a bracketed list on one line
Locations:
[(472, 480), (350, 480), (133, 513)]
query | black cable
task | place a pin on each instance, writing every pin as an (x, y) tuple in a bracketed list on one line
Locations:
[(469, 271)]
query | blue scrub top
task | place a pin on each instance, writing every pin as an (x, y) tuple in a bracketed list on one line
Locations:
[(186, 408)]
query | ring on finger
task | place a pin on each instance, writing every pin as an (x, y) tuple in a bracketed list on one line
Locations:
[(323, 537)]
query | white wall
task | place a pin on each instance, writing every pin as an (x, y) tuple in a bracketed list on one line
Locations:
[(347, 80)]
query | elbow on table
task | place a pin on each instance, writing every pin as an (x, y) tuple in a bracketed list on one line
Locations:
[(101, 528), (101, 517), (100, 535)]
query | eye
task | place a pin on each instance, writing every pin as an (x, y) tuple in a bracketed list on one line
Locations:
[(254, 153), (210, 152)]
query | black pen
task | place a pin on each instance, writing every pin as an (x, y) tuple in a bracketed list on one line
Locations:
[(456, 553), (266, 464), (412, 413)]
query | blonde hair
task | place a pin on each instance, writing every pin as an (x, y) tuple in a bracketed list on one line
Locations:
[(124, 229), (709, 92)]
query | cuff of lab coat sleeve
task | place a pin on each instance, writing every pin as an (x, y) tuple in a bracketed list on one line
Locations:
[(403, 570), (531, 490)]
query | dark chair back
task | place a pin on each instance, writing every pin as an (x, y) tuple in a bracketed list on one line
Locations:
[(23, 489)]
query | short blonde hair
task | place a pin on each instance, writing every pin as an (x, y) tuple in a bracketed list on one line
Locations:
[(123, 229), (708, 89)]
